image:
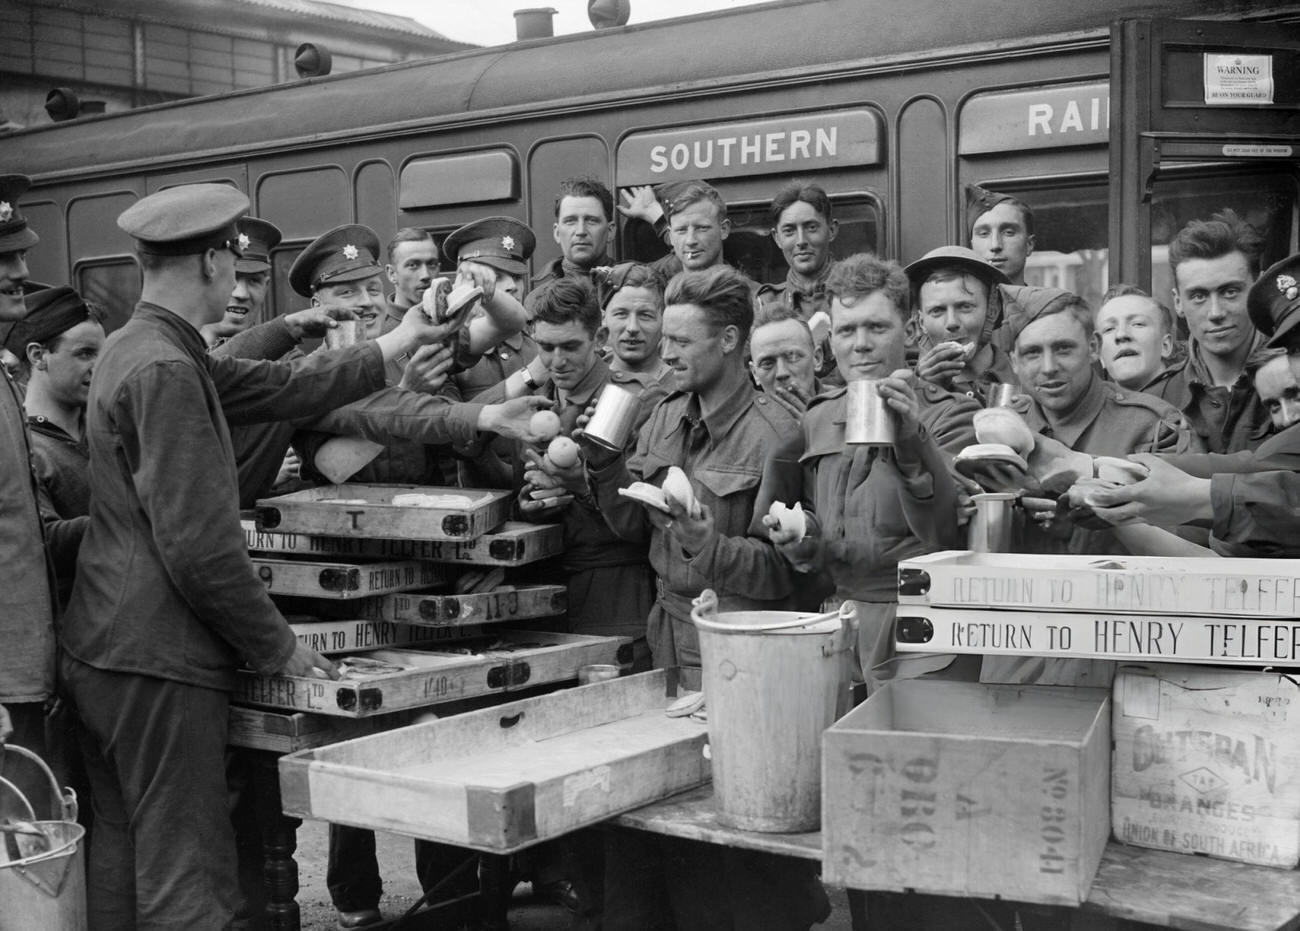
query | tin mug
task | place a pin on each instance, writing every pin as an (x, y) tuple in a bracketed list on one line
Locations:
[(867, 419), (612, 421), (1000, 395), (991, 524), (345, 333)]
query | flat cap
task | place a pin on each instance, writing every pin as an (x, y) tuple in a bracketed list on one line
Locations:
[(1274, 302), (50, 312), (14, 233), (1023, 304), (980, 201), (186, 220), (345, 253), (257, 237), (501, 242)]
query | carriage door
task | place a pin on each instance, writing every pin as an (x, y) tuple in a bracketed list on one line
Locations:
[(1204, 116)]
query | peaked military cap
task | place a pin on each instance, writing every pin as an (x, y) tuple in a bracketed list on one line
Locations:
[(186, 220), (980, 201), (51, 312), (1274, 301), (345, 253), (14, 233), (501, 242), (257, 237), (1023, 304)]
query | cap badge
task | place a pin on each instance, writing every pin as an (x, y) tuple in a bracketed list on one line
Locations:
[(1288, 286), (6, 211), (350, 251), (508, 242), (244, 241)]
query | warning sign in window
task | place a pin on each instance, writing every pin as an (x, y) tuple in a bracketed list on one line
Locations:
[(1234, 80)]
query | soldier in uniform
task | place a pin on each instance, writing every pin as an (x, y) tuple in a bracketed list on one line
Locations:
[(252, 280), (1135, 338), (58, 342), (784, 359), (504, 245), (867, 507), (720, 430), (166, 600), (1001, 229), (632, 308), (1214, 262), (412, 265), (1067, 401), (1249, 498), (958, 309), (804, 230), (584, 220)]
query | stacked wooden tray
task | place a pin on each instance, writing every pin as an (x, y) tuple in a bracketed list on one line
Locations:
[(367, 581), (1153, 609), (510, 776)]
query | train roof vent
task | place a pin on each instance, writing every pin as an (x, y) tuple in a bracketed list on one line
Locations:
[(606, 14), (535, 23), (312, 61)]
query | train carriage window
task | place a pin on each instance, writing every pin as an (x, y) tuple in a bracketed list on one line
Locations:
[(1266, 200), (1070, 223), (113, 284), (750, 247)]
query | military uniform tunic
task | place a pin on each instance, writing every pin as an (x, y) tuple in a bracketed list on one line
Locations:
[(724, 455), (1226, 418)]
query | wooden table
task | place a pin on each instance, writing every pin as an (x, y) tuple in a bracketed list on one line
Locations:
[(1168, 890)]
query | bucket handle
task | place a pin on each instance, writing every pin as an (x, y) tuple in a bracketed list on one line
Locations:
[(66, 797), (706, 604)]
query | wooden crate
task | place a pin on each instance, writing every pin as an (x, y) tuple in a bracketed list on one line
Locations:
[(1245, 641), (514, 543), (510, 776), (507, 603), (367, 511), (285, 732), (1110, 584), (1207, 761), (513, 660), (317, 579), (963, 789)]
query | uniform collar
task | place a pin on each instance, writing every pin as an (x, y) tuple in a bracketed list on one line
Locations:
[(644, 379), (1077, 420), (190, 339), (721, 420), (1198, 373), (796, 288), (580, 395)]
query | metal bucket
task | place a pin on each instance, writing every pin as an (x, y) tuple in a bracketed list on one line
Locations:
[(46, 890), (773, 681)]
